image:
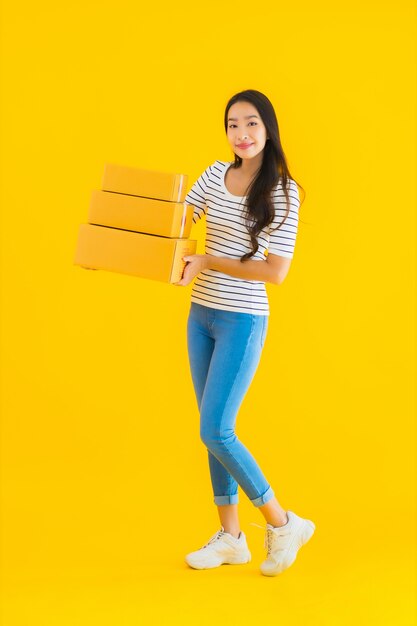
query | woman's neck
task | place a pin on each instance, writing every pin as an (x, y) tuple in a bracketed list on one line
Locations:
[(249, 167)]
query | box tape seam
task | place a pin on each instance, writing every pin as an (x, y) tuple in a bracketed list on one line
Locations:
[(183, 218), (180, 188)]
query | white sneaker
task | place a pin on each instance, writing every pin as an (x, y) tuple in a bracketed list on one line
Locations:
[(283, 542), (221, 548)]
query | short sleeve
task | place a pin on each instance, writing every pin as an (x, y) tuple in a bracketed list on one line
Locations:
[(197, 195), (282, 240)]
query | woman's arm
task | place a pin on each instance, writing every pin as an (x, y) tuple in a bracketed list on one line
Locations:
[(271, 270)]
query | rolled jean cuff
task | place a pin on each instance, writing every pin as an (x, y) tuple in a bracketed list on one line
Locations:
[(268, 495), (232, 499)]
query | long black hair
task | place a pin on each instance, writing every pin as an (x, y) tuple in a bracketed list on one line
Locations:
[(260, 209)]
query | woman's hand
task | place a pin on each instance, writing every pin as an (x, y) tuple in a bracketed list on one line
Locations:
[(195, 264)]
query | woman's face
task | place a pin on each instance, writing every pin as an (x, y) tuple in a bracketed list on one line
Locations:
[(245, 126)]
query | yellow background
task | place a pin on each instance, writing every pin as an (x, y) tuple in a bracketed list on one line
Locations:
[(105, 482)]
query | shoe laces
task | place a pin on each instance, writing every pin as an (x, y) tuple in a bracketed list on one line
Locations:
[(218, 535), (274, 538)]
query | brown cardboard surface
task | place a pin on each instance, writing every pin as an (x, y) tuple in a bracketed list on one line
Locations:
[(145, 183), (127, 252), (144, 215)]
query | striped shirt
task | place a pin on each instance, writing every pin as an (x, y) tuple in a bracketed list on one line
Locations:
[(227, 235)]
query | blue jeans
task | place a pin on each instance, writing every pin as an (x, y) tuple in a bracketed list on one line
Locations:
[(224, 349)]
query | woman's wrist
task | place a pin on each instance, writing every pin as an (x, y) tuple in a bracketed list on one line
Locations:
[(207, 260)]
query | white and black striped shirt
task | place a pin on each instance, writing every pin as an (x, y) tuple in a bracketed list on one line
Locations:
[(227, 235)]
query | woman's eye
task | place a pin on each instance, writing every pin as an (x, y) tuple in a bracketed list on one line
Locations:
[(249, 123)]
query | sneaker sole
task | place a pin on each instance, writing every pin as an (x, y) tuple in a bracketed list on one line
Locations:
[(304, 533), (238, 560)]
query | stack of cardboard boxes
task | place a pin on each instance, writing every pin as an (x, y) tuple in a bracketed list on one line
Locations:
[(138, 224)]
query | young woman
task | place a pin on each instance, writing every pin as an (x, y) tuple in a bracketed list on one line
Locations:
[(251, 206)]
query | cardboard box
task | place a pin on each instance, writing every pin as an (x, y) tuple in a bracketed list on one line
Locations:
[(145, 183), (127, 252), (143, 215)]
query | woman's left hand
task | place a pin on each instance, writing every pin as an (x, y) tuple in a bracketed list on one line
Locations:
[(195, 264)]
